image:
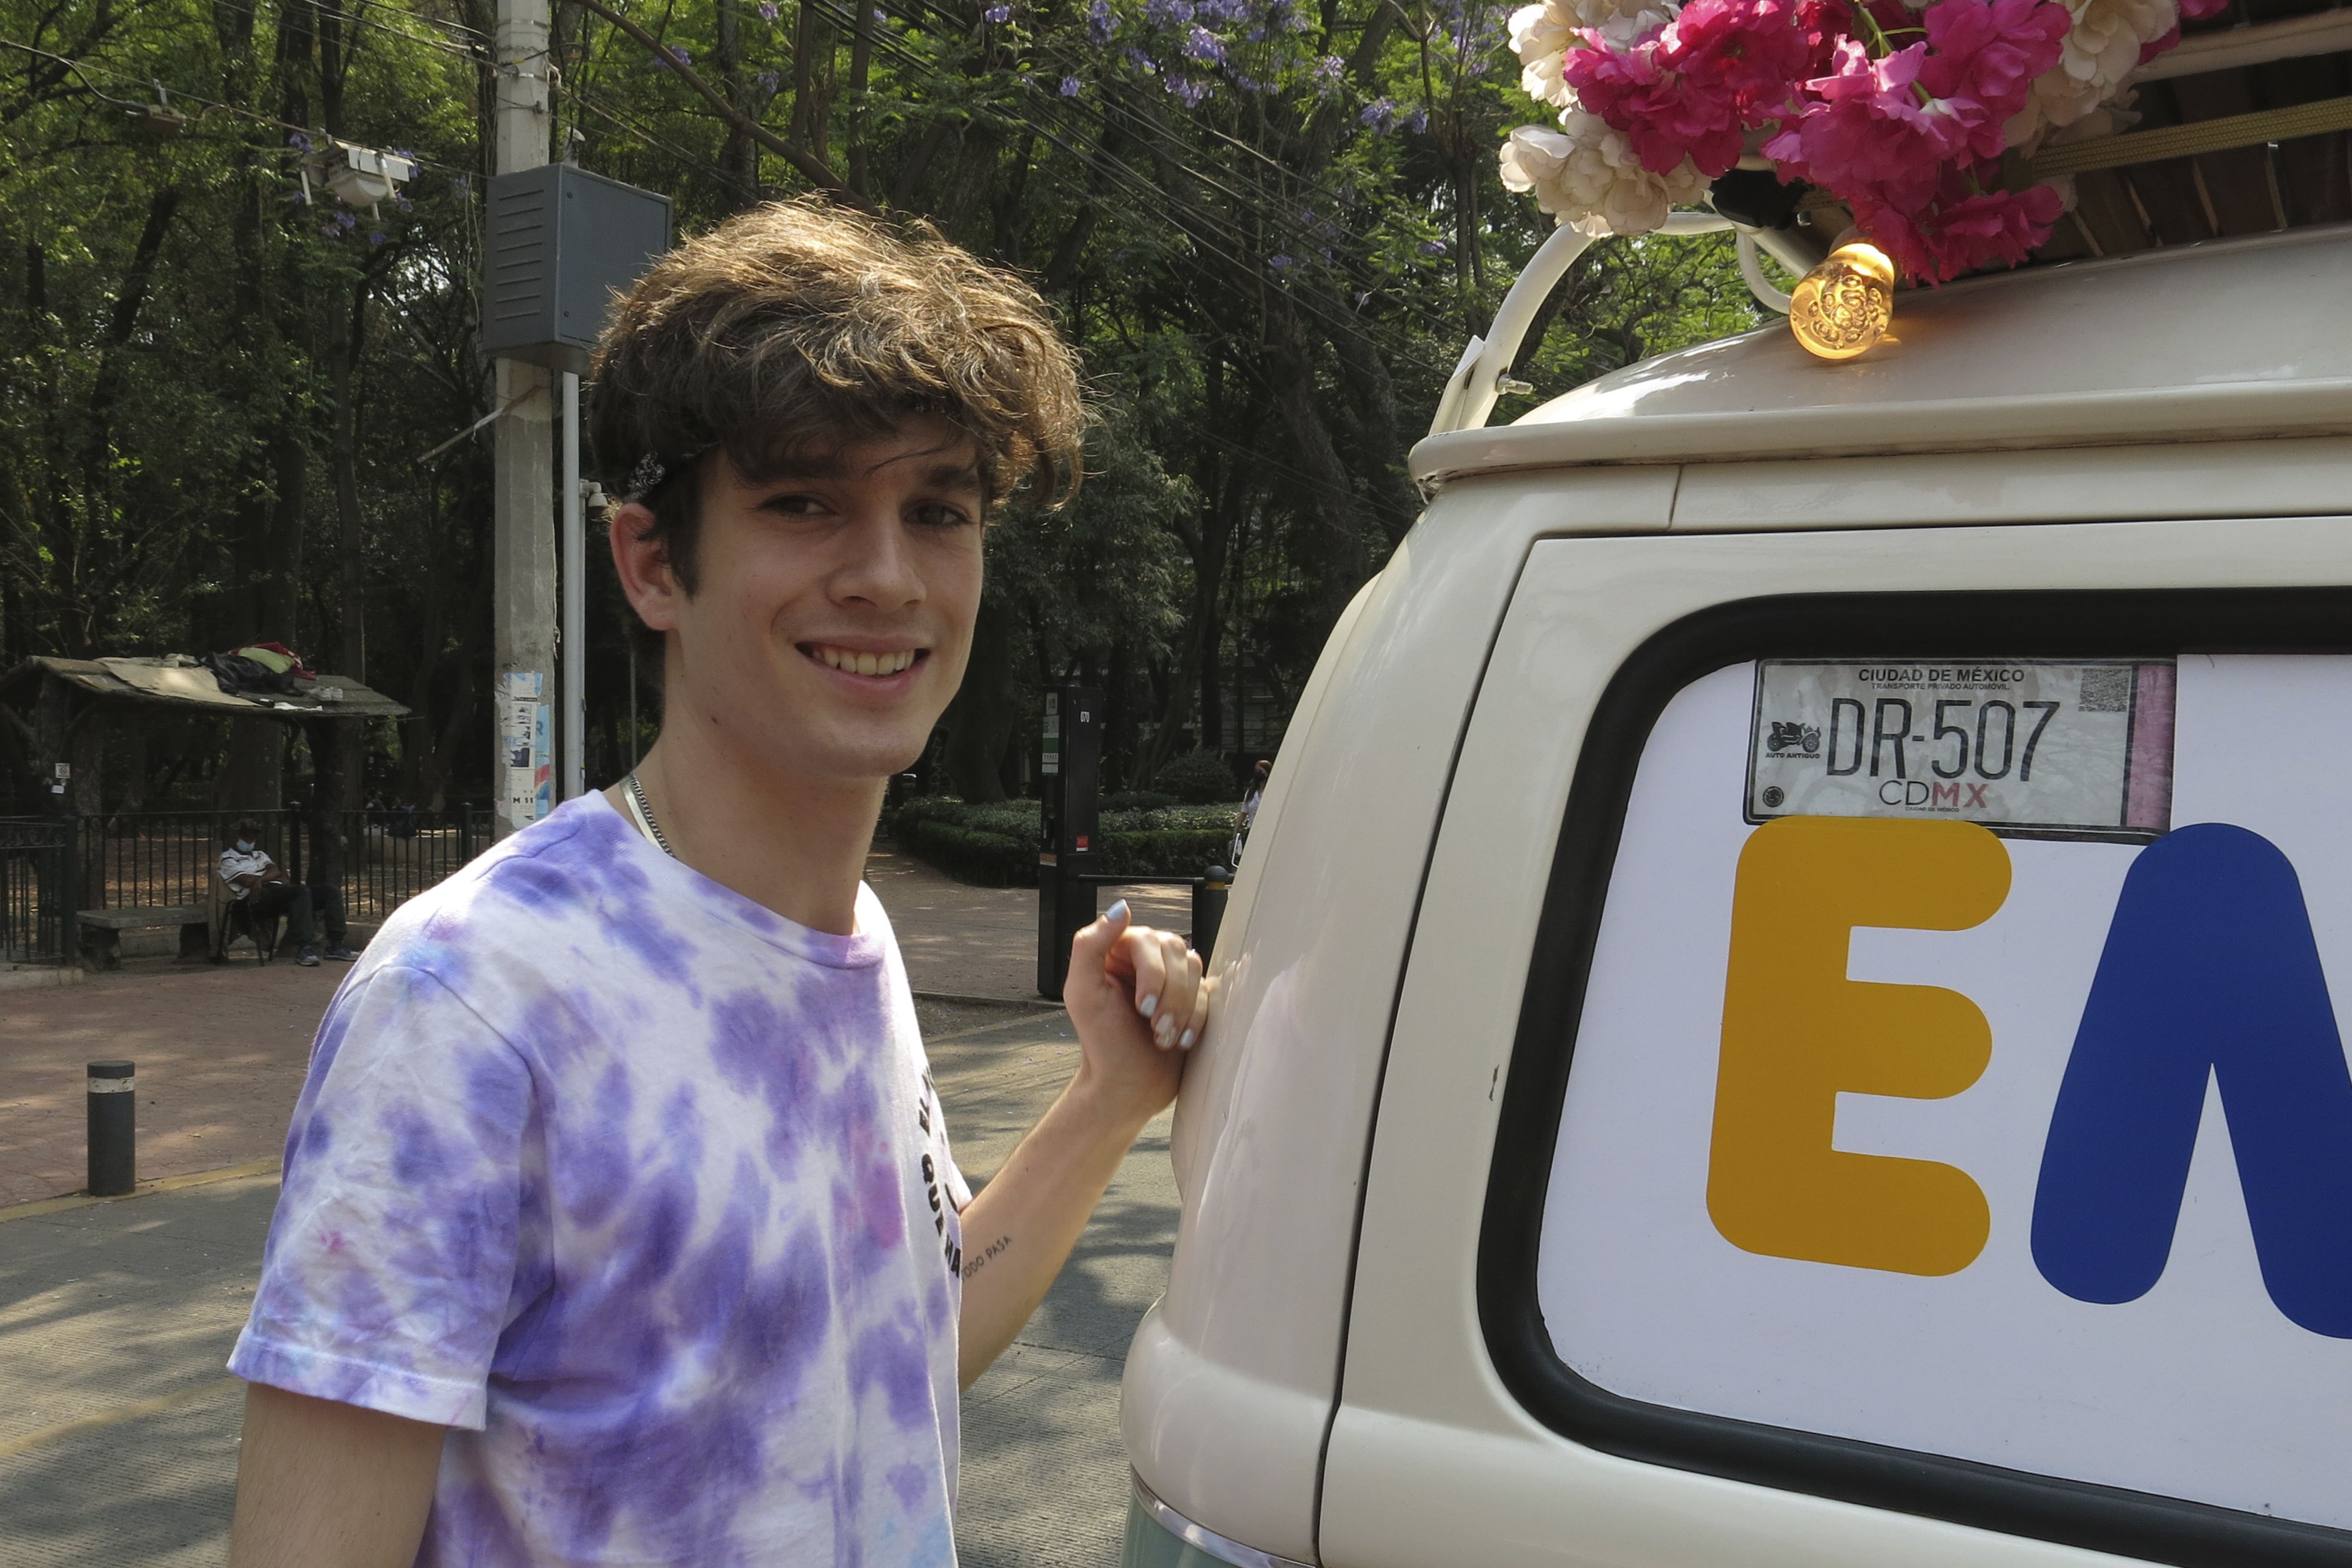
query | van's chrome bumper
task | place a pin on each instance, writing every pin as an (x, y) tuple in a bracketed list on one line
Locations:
[(1160, 1537)]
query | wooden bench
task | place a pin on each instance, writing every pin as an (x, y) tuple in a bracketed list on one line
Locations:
[(102, 929)]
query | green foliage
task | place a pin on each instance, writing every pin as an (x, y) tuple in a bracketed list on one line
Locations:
[(1199, 777), (1174, 852), (1268, 226), (995, 844), (969, 855), (1136, 800)]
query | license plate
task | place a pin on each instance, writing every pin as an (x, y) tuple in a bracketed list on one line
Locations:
[(2028, 748)]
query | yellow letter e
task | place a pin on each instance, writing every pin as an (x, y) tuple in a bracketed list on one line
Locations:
[(1797, 1033)]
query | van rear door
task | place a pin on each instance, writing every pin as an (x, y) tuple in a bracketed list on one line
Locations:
[(1867, 1087)]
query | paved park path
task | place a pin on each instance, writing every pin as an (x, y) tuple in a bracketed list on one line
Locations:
[(116, 1316), (221, 1049)]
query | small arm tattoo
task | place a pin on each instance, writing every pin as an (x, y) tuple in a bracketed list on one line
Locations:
[(973, 1263)]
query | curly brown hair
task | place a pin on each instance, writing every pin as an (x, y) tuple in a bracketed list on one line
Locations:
[(798, 326)]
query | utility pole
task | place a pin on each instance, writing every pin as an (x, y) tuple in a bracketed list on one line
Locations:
[(523, 547)]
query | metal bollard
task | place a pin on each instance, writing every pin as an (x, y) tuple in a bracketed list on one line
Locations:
[(113, 1128), (1208, 910)]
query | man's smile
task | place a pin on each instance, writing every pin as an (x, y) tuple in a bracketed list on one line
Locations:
[(879, 664)]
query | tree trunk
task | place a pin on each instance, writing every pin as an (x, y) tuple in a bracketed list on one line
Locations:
[(254, 777), (980, 724), (738, 157), (346, 343)]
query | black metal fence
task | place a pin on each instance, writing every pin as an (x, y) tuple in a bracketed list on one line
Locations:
[(36, 918), (143, 859)]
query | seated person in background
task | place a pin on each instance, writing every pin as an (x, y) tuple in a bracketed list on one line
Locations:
[(260, 884)]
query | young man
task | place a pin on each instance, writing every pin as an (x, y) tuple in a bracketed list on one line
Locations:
[(260, 884), (619, 1222)]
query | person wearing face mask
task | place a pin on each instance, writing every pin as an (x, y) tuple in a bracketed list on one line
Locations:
[(260, 883)]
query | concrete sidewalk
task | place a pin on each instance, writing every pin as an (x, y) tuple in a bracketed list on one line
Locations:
[(222, 1051), (118, 1427)]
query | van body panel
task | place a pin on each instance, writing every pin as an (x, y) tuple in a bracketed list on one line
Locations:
[(2205, 479), (1277, 1102), (2082, 353), (1430, 1440), (1247, 1446), (1404, 1493)]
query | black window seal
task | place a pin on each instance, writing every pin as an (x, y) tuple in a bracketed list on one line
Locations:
[(2047, 624)]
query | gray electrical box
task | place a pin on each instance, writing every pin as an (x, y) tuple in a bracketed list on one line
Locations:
[(562, 241)]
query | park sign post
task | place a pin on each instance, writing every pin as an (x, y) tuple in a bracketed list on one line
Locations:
[(1069, 812)]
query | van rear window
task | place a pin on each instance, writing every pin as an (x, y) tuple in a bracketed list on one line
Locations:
[(1954, 1114)]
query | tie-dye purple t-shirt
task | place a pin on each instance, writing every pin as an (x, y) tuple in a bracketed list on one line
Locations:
[(644, 1190)]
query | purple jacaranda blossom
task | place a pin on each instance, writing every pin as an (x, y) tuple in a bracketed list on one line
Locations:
[(1069, 87), (404, 203), (997, 14), (1189, 91), (298, 142), (770, 10), (1163, 12), (377, 237), (1417, 122), (1381, 114), (345, 219), (1200, 44), (463, 184), (1327, 71), (1432, 248), (1278, 265), (1101, 25), (1140, 60), (768, 81)]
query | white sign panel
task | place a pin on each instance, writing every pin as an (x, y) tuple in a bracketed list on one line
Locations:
[(2023, 746), (2032, 1152), (526, 763)]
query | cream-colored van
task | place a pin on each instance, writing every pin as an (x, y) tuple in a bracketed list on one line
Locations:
[(1778, 1012)]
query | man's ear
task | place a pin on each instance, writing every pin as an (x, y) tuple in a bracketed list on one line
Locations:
[(643, 564)]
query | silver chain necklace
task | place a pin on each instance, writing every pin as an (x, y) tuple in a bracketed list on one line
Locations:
[(643, 811)]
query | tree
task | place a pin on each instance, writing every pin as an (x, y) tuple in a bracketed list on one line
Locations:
[(1268, 226)]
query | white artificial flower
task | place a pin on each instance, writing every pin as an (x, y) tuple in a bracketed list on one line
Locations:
[(1586, 176), (1542, 34), (2102, 47)]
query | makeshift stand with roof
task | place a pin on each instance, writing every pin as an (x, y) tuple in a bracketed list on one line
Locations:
[(68, 701)]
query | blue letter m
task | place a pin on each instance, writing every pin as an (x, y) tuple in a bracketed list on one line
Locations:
[(2209, 968)]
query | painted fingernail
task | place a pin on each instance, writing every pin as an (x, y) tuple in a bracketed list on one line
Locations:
[(1148, 1006), (1116, 911), (1189, 1036)]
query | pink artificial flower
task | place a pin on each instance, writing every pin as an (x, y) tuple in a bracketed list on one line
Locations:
[(2197, 10), (1666, 116), (1862, 132), (1965, 229), (1693, 87), (1823, 23), (1982, 57), (1756, 50), (2161, 43)]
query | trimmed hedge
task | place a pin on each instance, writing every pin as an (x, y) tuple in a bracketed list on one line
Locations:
[(969, 854), (1200, 776), (995, 844), (1181, 852)]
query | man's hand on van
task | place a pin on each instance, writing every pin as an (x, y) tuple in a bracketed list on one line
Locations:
[(1140, 1003)]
